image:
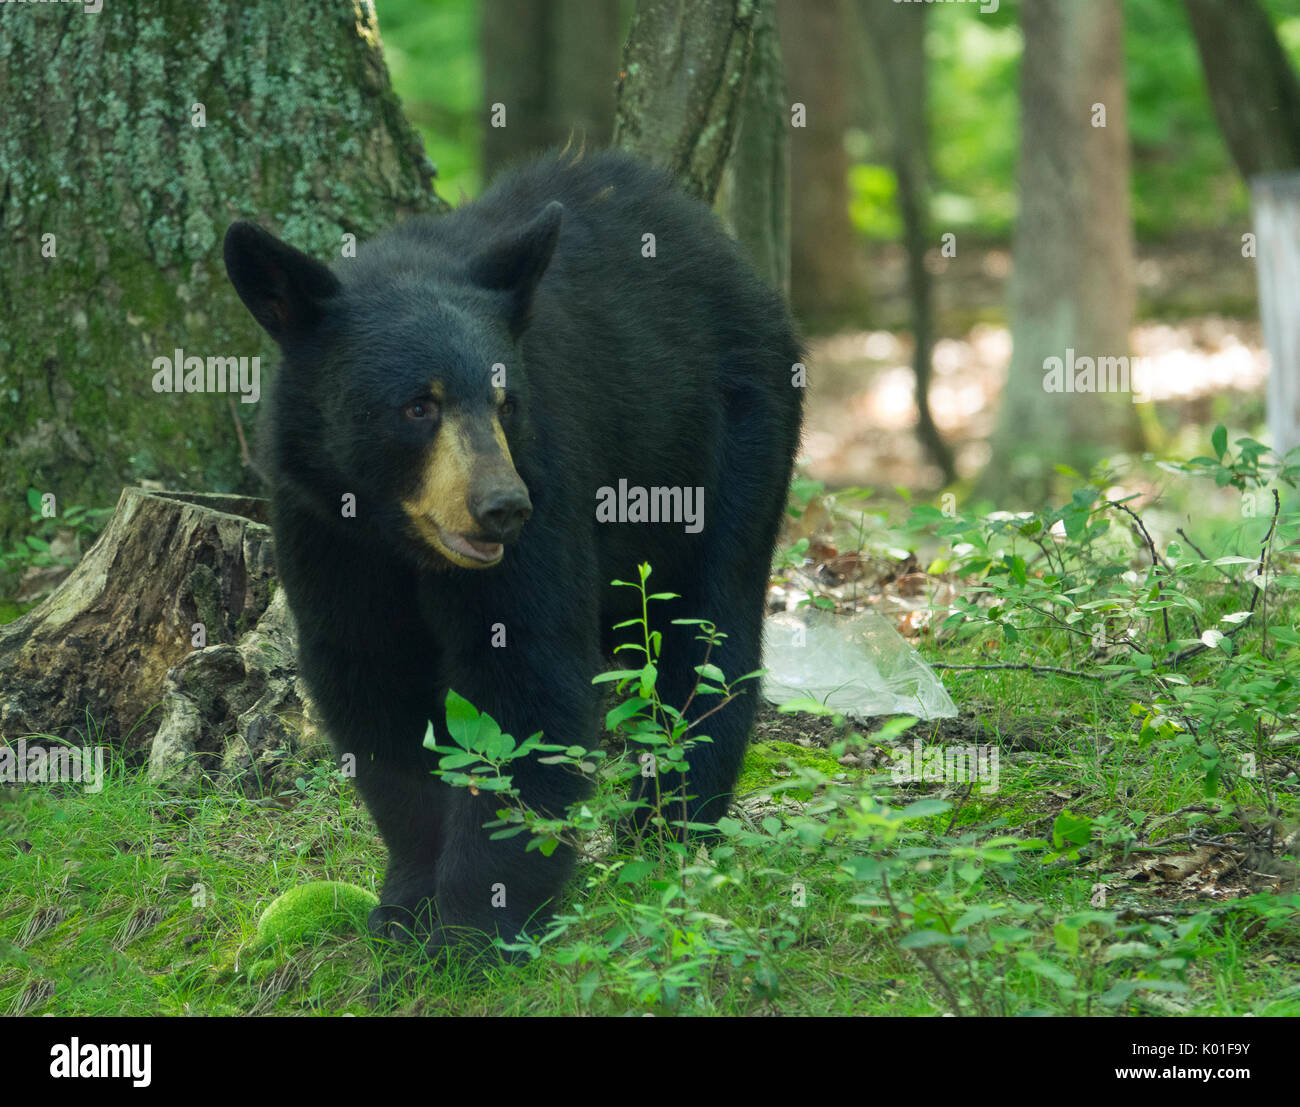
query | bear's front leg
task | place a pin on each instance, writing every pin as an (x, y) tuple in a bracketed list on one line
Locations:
[(497, 887), (376, 715), (488, 889), (409, 806)]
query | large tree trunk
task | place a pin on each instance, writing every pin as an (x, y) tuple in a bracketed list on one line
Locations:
[(680, 86), (828, 286), (552, 65), (1074, 285), (896, 37), (129, 140), (759, 173)]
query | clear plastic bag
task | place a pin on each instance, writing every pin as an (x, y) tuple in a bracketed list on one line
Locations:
[(857, 664)]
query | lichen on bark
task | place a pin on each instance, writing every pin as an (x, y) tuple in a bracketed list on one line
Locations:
[(99, 148)]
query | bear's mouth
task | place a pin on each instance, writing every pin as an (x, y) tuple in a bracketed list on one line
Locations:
[(460, 547)]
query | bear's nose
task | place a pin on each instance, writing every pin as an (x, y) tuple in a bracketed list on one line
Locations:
[(501, 514)]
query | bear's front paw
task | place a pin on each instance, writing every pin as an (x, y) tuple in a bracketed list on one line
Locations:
[(392, 922)]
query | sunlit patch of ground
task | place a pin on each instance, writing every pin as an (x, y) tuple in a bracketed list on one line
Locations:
[(862, 404)]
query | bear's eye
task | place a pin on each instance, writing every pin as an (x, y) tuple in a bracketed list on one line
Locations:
[(424, 410)]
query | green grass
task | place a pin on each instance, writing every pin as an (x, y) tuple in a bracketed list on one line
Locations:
[(137, 901)]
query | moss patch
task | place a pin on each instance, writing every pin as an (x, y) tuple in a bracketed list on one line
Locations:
[(764, 765), (312, 910)]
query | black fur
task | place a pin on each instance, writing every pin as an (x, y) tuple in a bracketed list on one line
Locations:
[(667, 371)]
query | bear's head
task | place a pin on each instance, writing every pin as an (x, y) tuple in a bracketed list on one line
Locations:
[(402, 382)]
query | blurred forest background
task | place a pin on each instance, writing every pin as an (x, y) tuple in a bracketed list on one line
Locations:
[(1184, 182), (1194, 297)]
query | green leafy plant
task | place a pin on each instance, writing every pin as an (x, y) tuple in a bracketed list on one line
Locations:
[(38, 548)]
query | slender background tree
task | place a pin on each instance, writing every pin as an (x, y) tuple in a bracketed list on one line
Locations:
[(553, 66), (1256, 99), (1074, 289)]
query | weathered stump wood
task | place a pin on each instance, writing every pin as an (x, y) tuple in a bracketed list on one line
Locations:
[(165, 639)]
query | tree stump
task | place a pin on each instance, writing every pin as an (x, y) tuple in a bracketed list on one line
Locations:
[(167, 638)]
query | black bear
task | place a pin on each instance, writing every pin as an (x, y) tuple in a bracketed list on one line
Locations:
[(479, 422)]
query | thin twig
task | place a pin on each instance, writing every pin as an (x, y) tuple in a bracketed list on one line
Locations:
[(245, 458), (1144, 913), (1218, 568), (1041, 670), (1200, 647), (1263, 586), (1157, 562), (957, 809)]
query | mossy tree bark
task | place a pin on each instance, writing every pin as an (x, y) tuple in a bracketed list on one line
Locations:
[(129, 141), (759, 171), (680, 86)]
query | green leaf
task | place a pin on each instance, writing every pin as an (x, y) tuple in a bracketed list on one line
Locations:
[(921, 939), (1036, 964), (1071, 829), (806, 706), (458, 761), (633, 871), (1119, 992), (767, 980), (625, 711), (462, 720), (924, 808), (615, 674), (1219, 441), (1067, 938)]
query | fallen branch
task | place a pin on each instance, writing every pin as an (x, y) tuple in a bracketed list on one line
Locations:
[(1038, 670)]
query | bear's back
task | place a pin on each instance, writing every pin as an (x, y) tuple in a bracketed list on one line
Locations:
[(631, 241)]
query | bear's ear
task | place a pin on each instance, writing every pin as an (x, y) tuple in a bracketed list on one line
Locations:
[(515, 262), (283, 287)]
